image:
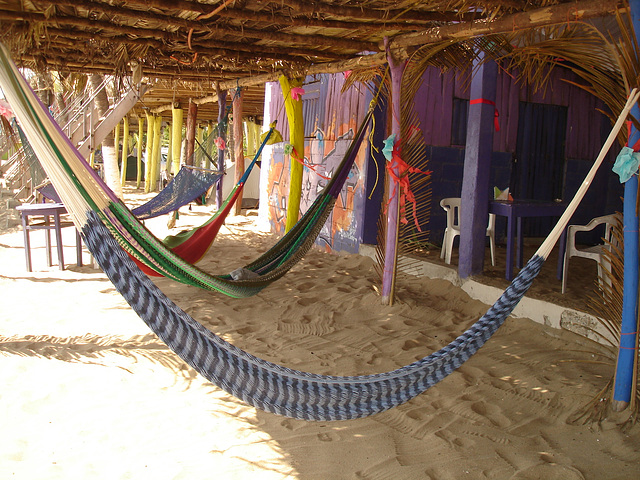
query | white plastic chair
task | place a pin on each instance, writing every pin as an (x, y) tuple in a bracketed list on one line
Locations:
[(452, 207), (594, 252)]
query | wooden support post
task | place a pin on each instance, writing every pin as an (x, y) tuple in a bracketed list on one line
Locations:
[(147, 166), (192, 118), (474, 203), (116, 138), (238, 137), (155, 152), (393, 204), (139, 151), (222, 133), (125, 150), (177, 116), (169, 165), (296, 138), (197, 159)]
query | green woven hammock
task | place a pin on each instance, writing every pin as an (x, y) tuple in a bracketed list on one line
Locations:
[(82, 191)]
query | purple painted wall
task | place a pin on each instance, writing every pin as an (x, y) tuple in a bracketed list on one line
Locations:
[(335, 116), (583, 131), (586, 129)]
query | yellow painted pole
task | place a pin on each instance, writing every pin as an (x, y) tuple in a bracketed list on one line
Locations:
[(148, 181), (296, 138), (125, 150), (177, 115), (170, 150), (155, 152), (139, 151), (251, 138)]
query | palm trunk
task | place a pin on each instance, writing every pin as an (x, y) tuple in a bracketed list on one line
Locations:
[(109, 152)]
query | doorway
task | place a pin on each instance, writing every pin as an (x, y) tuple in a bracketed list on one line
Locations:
[(539, 162)]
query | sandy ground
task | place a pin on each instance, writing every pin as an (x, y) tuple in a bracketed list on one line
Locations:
[(89, 392)]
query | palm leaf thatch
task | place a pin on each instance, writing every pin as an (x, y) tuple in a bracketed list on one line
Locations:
[(609, 63), (606, 303), (610, 66)]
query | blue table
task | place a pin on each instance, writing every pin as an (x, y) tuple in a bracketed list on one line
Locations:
[(515, 211)]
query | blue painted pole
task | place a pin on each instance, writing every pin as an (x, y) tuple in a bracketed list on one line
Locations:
[(474, 201), (629, 326)]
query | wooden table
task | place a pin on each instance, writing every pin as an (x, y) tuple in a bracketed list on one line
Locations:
[(46, 210), (515, 211)]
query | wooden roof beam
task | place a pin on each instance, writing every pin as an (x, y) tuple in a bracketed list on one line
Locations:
[(236, 13), (551, 15), (98, 25), (294, 21), (203, 48), (306, 7)]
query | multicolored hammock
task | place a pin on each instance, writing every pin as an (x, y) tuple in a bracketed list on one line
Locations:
[(192, 245), (260, 383), (82, 190)]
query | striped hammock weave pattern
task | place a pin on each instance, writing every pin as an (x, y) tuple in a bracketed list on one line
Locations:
[(278, 389)]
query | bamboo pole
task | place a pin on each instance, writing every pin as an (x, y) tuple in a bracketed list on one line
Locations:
[(177, 115), (147, 167), (238, 141)]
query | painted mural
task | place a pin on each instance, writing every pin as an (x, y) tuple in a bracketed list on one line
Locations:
[(325, 147)]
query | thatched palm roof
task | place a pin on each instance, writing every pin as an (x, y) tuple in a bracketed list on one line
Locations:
[(191, 45)]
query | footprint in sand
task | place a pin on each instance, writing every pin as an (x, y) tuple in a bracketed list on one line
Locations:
[(305, 302), (328, 437), (548, 471), (246, 330)]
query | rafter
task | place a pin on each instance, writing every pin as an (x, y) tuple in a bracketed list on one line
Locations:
[(208, 49), (310, 8), (237, 14), (221, 32)]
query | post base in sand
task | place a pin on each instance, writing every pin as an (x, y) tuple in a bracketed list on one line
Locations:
[(619, 405)]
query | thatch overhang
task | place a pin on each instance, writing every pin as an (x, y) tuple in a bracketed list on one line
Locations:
[(188, 47)]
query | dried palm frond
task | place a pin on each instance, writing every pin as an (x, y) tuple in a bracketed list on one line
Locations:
[(606, 303), (608, 63)]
